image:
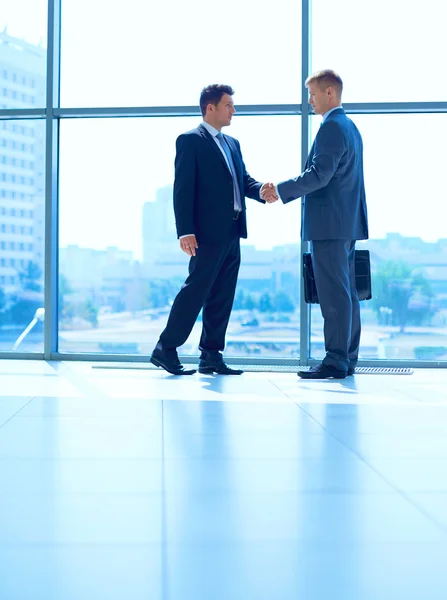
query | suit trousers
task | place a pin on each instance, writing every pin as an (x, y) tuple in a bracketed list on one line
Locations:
[(334, 271), (211, 285)]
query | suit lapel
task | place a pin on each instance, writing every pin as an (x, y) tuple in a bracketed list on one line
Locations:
[(234, 153), (209, 138)]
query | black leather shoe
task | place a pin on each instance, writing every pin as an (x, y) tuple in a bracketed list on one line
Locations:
[(214, 363), (168, 360), (351, 371), (322, 371)]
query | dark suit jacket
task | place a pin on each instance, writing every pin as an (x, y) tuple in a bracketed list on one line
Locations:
[(332, 184), (203, 187)]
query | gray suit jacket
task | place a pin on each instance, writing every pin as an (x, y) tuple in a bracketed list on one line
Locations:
[(332, 185)]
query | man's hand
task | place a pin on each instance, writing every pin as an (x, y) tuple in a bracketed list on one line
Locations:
[(189, 244), (268, 193)]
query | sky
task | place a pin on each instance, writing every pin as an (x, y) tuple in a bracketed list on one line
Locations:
[(26, 19), (143, 56)]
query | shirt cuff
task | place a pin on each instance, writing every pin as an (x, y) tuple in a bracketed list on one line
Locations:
[(187, 235)]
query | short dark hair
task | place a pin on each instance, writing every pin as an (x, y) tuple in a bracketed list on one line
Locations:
[(325, 79), (212, 94)]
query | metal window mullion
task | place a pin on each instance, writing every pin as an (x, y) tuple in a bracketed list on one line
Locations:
[(305, 67), (17, 114), (360, 108), (172, 111), (51, 180), (393, 108)]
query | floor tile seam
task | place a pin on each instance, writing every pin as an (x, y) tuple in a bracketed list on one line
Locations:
[(281, 390), (81, 459), (394, 390), (17, 412), (408, 395), (410, 392), (174, 496), (186, 542), (394, 487)]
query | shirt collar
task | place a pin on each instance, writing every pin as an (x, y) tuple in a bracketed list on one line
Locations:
[(212, 130), (329, 112)]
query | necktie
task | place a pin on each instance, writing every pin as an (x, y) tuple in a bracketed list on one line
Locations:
[(237, 192)]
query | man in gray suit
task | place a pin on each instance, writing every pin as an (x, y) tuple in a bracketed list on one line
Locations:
[(334, 217)]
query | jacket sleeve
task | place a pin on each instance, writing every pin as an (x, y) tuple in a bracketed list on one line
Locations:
[(252, 188), (184, 186), (329, 147)]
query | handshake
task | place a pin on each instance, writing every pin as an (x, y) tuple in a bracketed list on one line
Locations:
[(268, 193)]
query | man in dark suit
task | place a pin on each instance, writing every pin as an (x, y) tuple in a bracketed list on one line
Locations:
[(210, 187), (334, 217)]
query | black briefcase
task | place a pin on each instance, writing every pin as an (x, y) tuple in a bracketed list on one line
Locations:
[(362, 277)]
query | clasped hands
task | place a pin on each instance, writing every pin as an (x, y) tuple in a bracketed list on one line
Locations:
[(268, 193)]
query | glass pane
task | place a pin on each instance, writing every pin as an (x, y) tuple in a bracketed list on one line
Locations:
[(163, 53), (120, 261), (405, 190), (385, 51), (23, 55), (22, 206)]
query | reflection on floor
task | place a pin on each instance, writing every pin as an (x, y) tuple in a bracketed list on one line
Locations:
[(122, 484)]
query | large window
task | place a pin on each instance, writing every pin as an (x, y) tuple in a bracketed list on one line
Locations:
[(22, 174), (385, 51), (144, 53), (404, 178), (116, 68), (120, 262), (23, 33)]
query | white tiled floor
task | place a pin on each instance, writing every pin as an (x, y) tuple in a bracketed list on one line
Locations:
[(135, 484)]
